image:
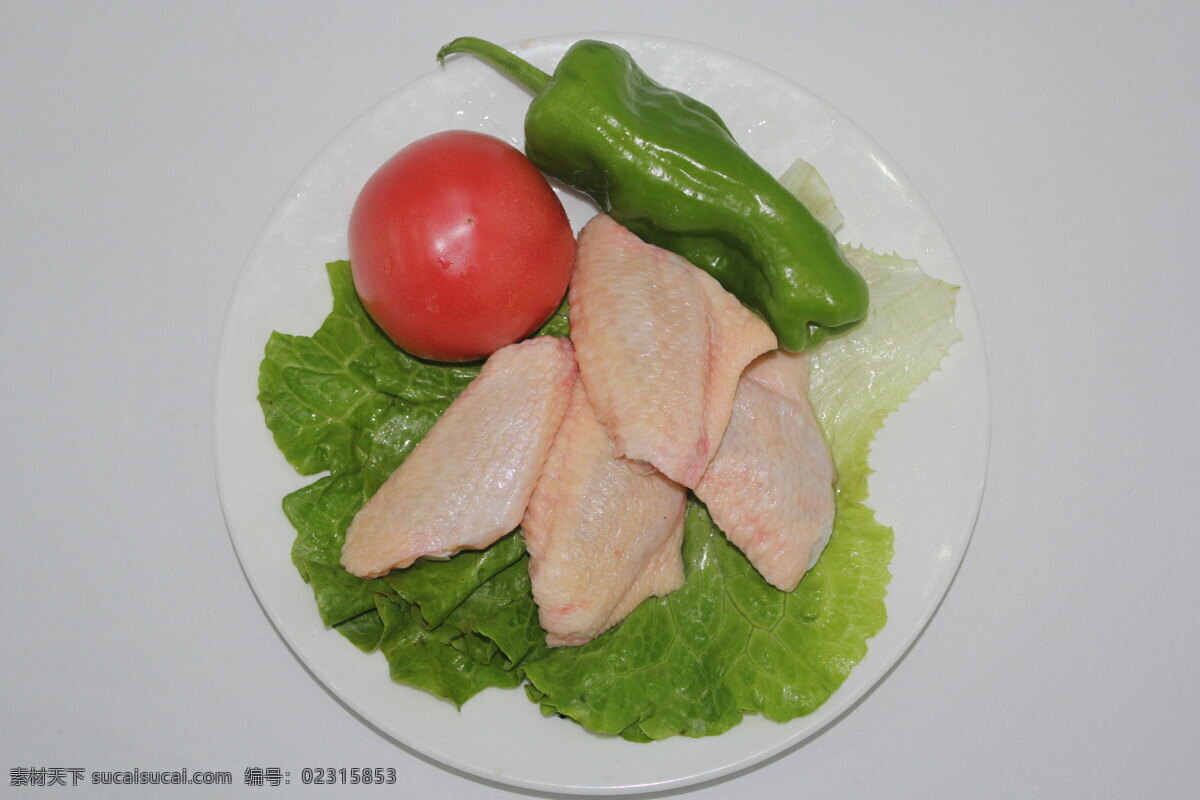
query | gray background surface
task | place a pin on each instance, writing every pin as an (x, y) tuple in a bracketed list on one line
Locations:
[(144, 146)]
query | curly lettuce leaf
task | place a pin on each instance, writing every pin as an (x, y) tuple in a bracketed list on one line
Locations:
[(437, 588), (347, 402), (422, 657), (364, 631), (861, 376), (726, 644), (325, 397)]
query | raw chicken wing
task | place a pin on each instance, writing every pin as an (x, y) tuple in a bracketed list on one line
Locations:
[(602, 534), (467, 483), (660, 346), (770, 485)]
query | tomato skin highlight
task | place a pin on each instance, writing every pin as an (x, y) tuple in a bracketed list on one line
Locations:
[(459, 246)]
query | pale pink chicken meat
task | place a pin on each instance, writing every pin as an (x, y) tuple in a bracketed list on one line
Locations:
[(468, 481), (660, 346), (602, 534), (770, 485)]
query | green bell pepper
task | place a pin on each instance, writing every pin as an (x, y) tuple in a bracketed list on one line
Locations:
[(666, 166)]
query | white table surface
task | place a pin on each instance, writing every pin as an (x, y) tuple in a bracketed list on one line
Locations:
[(143, 146)]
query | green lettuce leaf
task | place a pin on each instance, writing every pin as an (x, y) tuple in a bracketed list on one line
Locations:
[(425, 658), (347, 403), (364, 631), (437, 588), (727, 643), (328, 398), (861, 376)]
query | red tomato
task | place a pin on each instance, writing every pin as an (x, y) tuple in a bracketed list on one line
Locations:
[(458, 246)]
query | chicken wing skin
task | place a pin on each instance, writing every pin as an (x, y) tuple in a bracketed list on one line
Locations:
[(660, 346), (467, 483), (770, 485), (602, 533)]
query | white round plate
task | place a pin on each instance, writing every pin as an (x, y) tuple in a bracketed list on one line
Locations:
[(930, 459)]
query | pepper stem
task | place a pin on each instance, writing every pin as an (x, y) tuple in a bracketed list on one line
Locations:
[(497, 56)]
